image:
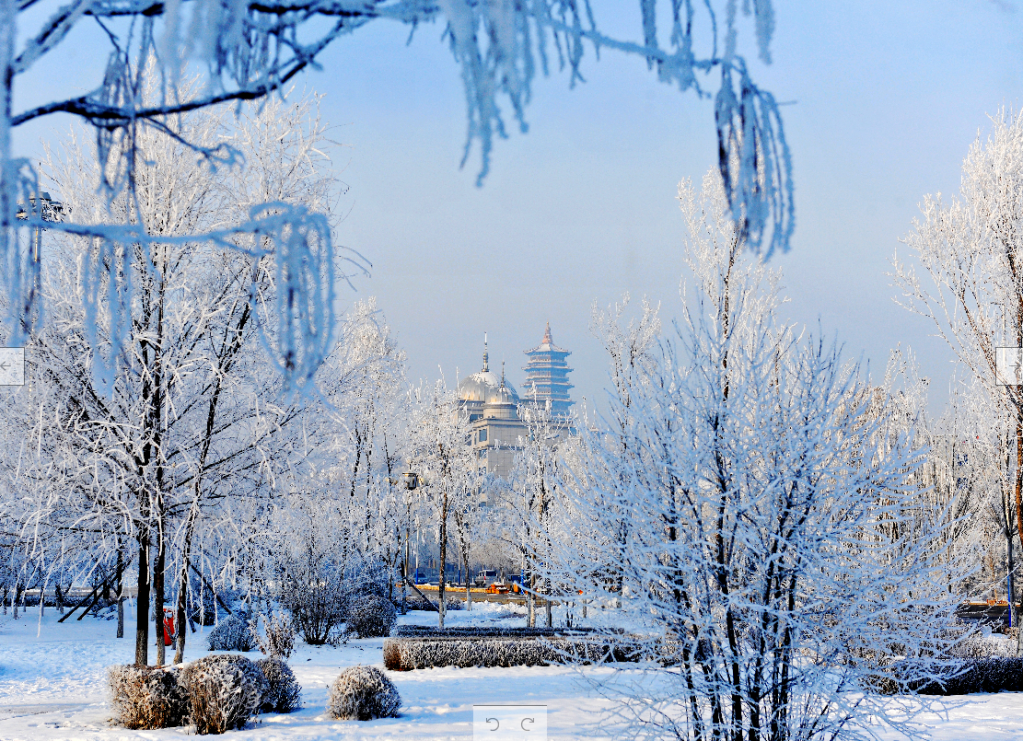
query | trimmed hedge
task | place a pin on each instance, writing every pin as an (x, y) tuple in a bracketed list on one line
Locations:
[(966, 677), (363, 693), (470, 631), (147, 697), (406, 654)]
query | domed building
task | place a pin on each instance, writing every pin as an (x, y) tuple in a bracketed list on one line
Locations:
[(493, 405), (474, 390)]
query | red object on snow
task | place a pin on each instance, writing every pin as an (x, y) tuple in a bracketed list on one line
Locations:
[(168, 627)]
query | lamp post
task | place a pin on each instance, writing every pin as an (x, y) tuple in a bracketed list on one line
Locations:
[(47, 210), (411, 479)]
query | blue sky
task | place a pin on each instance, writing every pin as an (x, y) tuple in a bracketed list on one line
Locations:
[(886, 99)]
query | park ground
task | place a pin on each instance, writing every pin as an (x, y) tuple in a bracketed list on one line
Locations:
[(53, 687)]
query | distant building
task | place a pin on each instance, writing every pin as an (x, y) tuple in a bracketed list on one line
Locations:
[(493, 406), (547, 375)]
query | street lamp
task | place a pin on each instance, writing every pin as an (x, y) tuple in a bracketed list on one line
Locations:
[(412, 481)]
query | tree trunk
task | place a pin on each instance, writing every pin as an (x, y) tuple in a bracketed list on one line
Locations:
[(531, 600), (142, 606), (404, 581), (179, 616), (179, 650), (159, 598), (120, 591), (443, 556), (548, 617)]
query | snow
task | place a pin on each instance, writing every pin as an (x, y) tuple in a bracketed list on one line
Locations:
[(53, 685)]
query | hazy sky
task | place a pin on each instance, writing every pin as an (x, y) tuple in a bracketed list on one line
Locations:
[(886, 100)]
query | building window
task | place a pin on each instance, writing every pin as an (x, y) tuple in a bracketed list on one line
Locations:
[(483, 436)]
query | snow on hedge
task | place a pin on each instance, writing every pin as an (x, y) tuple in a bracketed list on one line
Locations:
[(406, 654)]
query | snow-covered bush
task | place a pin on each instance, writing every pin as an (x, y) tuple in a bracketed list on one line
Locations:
[(279, 638), (970, 676), (313, 592), (485, 631), (233, 633), (407, 654), (283, 692), (363, 693), (415, 602), (147, 697), (224, 691), (202, 606), (984, 647), (371, 616)]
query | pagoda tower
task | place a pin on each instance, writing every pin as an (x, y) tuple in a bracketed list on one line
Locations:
[(547, 376)]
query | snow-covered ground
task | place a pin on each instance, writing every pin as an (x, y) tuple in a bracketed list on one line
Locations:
[(53, 686)]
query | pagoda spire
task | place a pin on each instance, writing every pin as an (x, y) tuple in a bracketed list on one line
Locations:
[(547, 375)]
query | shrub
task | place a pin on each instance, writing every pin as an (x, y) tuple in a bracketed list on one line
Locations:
[(313, 594), (147, 697), (406, 654), (224, 691), (414, 602), (483, 631), (981, 647), (371, 616), (202, 606), (363, 693), (279, 640), (283, 691), (965, 677), (233, 633)]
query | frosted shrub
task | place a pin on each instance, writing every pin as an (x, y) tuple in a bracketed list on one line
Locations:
[(371, 616), (313, 594), (966, 677), (202, 607), (283, 692), (482, 631), (224, 691), (984, 647), (407, 654), (363, 693), (146, 698), (279, 640), (233, 633)]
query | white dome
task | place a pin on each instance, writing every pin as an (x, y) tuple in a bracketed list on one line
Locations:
[(480, 385)]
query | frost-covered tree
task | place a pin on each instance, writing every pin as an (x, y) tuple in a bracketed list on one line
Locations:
[(190, 410), (749, 506), (966, 276), (535, 494), (250, 48), (451, 475)]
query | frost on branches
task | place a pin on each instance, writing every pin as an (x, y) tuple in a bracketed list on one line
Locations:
[(965, 274), (749, 503), (251, 48)]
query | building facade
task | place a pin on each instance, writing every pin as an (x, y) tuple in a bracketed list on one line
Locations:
[(495, 410)]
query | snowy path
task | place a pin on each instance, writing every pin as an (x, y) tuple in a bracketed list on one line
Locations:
[(52, 688)]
